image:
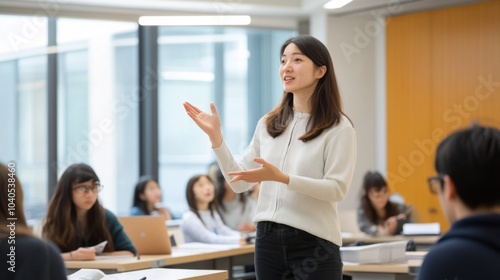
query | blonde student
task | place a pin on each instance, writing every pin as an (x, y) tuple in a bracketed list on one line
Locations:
[(303, 152), (76, 221), (202, 223), (22, 255)]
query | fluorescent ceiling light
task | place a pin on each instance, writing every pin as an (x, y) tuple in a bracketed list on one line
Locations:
[(188, 76), (194, 20), (335, 4)]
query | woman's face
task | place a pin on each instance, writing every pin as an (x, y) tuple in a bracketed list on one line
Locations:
[(85, 194), (204, 190), (297, 71), (152, 193), (378, 197)]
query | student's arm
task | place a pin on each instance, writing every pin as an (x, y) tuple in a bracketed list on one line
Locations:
[(224, 229), (80, 254), (195, 231), (123, 245), (365, 225), (403, 217), (165, 213)]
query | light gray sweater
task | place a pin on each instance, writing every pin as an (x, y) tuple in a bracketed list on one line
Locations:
[(320, 172), (212, 230)]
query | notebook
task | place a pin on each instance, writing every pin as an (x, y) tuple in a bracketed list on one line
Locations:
[(149, 234)]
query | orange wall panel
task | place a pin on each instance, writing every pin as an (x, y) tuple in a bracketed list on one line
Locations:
[(443, 71)]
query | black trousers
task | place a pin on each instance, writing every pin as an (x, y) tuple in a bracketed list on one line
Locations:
[(284, 252)]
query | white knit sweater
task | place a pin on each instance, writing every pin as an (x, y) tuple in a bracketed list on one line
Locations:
[(320, 172)]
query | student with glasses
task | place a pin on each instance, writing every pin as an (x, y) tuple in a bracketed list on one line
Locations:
[(76, 220), (377, 214), (468, 186)]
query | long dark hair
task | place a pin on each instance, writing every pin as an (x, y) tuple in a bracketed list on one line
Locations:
[(220, 192), (61, 222), (10, 187), (191, 199), (375, 180), (326, 104), (139, 189)]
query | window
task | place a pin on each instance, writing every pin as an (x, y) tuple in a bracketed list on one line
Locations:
[(97, 104), (23, 109)]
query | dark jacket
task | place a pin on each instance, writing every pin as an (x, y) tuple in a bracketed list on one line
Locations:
[(33, 259), (469, 250)]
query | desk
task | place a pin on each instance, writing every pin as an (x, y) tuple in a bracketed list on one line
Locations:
[(171, 274), (405, 270), (422, 242), (187, 256), (390, 271)]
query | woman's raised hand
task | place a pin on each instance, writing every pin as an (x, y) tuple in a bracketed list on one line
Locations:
[(209, 123)]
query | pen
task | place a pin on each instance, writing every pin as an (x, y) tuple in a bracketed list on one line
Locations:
[(143, 278)]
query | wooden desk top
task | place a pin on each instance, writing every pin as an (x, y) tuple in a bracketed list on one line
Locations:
[(180, 255), (119, 264), (174, 274), (409, 266), (379, 268), (418, 239)]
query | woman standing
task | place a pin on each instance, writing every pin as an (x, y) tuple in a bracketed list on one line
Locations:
[(303, 152)]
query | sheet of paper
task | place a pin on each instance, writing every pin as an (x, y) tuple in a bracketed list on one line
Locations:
[(198, 245), (87, 274), (99, 248), (421, 229)]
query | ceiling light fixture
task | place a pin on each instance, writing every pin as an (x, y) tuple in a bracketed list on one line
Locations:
[(335, 4), (194, 20)]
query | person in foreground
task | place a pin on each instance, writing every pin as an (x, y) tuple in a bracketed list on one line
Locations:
[(303, 152), (203, 223), (377, 215), (147, 199), (468, 185), (76, 221), (22, 255)]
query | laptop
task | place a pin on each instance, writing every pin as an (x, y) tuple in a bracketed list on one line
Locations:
[(149, 234)]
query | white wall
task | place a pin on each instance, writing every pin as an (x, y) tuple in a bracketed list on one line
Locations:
[(357, 46)]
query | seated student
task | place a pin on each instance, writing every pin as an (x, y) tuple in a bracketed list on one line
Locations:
[(75, 219), (236, 209), (377, 215), (147, 199), (468, 186), (32, 258), (203, 223)]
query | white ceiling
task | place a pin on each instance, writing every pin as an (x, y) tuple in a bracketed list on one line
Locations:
[(286, 9)]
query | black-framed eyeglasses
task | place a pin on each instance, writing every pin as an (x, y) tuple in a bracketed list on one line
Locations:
[(85, 188), (435, 183)]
